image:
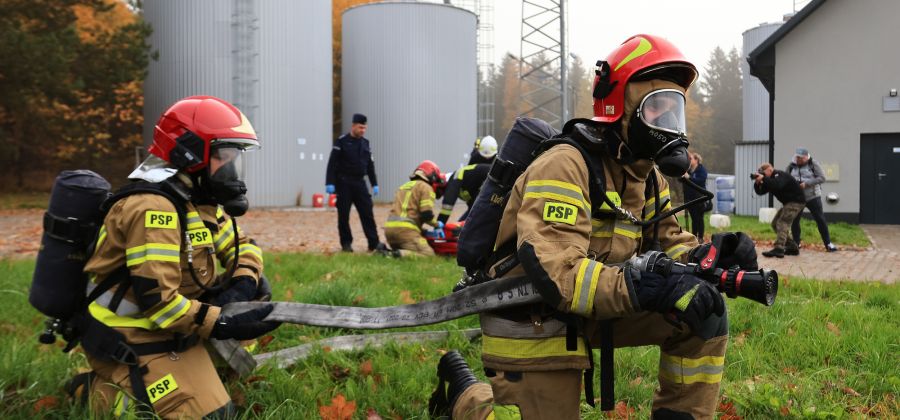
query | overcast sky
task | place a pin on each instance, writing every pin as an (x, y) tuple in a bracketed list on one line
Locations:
[(695, 26)]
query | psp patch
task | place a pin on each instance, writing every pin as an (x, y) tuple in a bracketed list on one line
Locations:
[(200, 237), (161, 219), (159, 389), (560, 212)]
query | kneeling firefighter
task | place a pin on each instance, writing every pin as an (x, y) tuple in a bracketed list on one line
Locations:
[(414, 206), (154, 293), (573, 219)]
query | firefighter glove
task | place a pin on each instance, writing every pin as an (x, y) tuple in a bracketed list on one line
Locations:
[(245, 325), (329, 188), (726, 250), (685, 297), (243, 289), (439, 230)]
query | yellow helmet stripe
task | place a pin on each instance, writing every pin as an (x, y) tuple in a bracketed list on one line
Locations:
[(643, 48)]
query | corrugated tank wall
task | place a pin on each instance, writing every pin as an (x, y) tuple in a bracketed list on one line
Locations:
[(747, 157), (270, 58), (755, 96), (411, 68)]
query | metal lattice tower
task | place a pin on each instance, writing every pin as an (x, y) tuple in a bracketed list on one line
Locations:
[(245, 54), (543, 61), (484, 9)]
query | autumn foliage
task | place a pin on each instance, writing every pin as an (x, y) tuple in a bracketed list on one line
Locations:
[(70, 88)]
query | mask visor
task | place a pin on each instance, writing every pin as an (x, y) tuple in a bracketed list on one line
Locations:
[(226, 163), (664, 110)]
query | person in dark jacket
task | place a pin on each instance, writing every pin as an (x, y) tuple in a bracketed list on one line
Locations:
[(465, 183), (697, 175), (349, 163), (787, 190), (810, 176), (484, 150)]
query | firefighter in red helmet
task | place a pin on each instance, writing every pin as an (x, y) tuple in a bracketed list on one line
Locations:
[(414, 206), (157, 256), (536, 356)]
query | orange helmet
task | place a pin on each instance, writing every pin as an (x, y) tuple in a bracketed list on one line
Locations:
[(187, 131), (641, 57), (429, 172)]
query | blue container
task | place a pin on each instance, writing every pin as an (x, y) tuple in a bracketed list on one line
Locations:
[(724, 207), (725, 182), (725, 195)]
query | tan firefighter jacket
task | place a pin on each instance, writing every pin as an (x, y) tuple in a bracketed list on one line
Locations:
[(567, 252), (413, 203), (143, 233)]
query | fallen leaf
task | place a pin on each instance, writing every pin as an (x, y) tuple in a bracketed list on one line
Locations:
[(265, 340), (622, 411), (636, 381), (789, 369), (791, 332), (405, 297), (289, 295), (329, 276), (326, 349), (338, 372), (358, 299), (48, 402), (784, 411), (371, 414), (340, 409), (833, 328), (850, 391), (238, 397), (254, 378), (365, 368), (258, 408), (277, 277)]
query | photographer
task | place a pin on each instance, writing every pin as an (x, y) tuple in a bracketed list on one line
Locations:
[(787, 190)]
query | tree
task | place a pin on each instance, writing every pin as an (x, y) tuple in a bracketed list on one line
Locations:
[(74, 90), (337, 11), (721, 88)]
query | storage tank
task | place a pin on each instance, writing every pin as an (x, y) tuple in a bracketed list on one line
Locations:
[(272, 59), (411, 69), (755, 96)]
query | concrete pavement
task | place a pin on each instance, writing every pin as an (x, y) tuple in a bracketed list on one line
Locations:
[(879, 263)]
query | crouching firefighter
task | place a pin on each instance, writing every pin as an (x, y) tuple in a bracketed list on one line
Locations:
[(574, 217), (413, 207), (154, 295)]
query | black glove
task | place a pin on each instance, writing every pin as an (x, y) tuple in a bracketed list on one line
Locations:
[(243, 289), (689, 299), (245, 325), (726, 250)]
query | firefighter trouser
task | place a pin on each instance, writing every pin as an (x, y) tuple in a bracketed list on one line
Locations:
[(180, 385), (408, 241), (781, 224), (690, 369)]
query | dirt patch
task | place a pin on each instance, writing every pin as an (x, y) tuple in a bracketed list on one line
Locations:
[(275, 230)]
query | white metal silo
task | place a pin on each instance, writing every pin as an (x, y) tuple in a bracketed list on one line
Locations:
[(755, 96), (270, 58), (411, 68)]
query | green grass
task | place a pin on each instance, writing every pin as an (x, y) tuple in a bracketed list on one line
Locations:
[(841, 233), (825, 350), (24, 200)]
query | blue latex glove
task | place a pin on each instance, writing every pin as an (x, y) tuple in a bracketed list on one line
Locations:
[(375, 189), (329, 188), (439, 230)]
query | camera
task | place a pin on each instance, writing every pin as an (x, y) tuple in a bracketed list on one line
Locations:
[(753, 175)]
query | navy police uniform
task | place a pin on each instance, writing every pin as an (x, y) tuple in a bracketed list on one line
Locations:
[(349, 163)]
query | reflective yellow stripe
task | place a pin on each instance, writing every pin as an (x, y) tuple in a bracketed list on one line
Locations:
[(408, 185), (602, 228), (583, 300), (615, 198), (446, 209), (556, 190), (219, 212), (515, 348), (426, 203), (642, 48), (401, 224), (677, 250), (682, 370), (244, 250), (627, 230), (650, 205), (101, 236), (462, 171), (194, 221), (110, 319), (171, 312), (122, 403), (152, 252), (405, 203), (225, 236)]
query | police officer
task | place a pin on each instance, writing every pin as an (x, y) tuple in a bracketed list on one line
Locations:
[(350, 161), (465, 183), (574, 248), (160, 251), (414, 206)]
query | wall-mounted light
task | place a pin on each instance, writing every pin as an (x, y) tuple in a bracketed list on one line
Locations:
[(892, 92)]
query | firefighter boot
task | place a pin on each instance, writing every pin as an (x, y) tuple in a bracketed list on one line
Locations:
[(454, 370), (777, 252)]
